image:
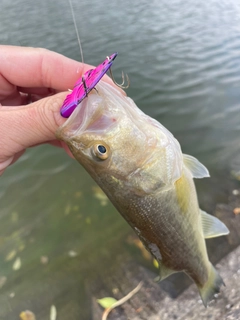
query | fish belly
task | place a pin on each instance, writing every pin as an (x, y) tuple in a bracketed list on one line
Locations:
[(172, 235)]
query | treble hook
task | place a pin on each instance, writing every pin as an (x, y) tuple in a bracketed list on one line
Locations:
[(121, 85)]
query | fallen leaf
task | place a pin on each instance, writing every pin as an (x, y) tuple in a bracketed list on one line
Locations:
[(10, 255), (67, 209), (27, 315), (100, 195), (72, 253), (106, 302), (17, 264), (110, 303), (44, 259), (115, 290), (53, 313), (236, 211)]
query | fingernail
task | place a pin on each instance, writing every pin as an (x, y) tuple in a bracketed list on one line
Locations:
[(5, 164)]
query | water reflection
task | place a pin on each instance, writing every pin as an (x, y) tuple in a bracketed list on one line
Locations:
[(184, 67)]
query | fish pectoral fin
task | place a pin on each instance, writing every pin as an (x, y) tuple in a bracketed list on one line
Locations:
[(212, 226), (164, 272), (197, 169)]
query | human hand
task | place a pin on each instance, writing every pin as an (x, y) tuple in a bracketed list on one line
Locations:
[(39, 75)]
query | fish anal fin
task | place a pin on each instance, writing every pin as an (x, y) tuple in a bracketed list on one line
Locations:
[(197, 169), (212, 226), (211, 287), (164, 272)]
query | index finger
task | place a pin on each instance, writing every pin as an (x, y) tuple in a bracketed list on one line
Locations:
[(37, 67)]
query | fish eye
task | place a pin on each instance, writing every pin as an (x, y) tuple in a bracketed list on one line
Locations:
[(101, 151)]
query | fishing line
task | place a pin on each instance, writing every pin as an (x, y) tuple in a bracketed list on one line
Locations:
[(76, 29), (121, 85)]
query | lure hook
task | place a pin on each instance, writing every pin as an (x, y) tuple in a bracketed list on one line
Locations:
[(121, 85)]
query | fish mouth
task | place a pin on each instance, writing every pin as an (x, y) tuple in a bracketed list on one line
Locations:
[(93, 115), (83, 115)]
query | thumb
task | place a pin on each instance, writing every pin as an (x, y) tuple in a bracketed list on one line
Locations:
[(24, 126)]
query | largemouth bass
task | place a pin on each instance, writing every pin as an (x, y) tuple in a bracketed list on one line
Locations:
[(140, 166)]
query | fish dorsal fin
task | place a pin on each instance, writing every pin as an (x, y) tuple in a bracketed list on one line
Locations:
[(212, 226), (197, 169)]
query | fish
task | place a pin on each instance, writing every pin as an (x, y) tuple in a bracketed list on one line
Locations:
[(140, 166)]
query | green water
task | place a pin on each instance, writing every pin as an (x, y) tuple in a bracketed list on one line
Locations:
[(184, 67)]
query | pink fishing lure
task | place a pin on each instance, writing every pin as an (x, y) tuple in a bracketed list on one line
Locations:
[(84, 85)]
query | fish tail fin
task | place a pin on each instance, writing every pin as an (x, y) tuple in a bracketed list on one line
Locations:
[(211, 287)]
